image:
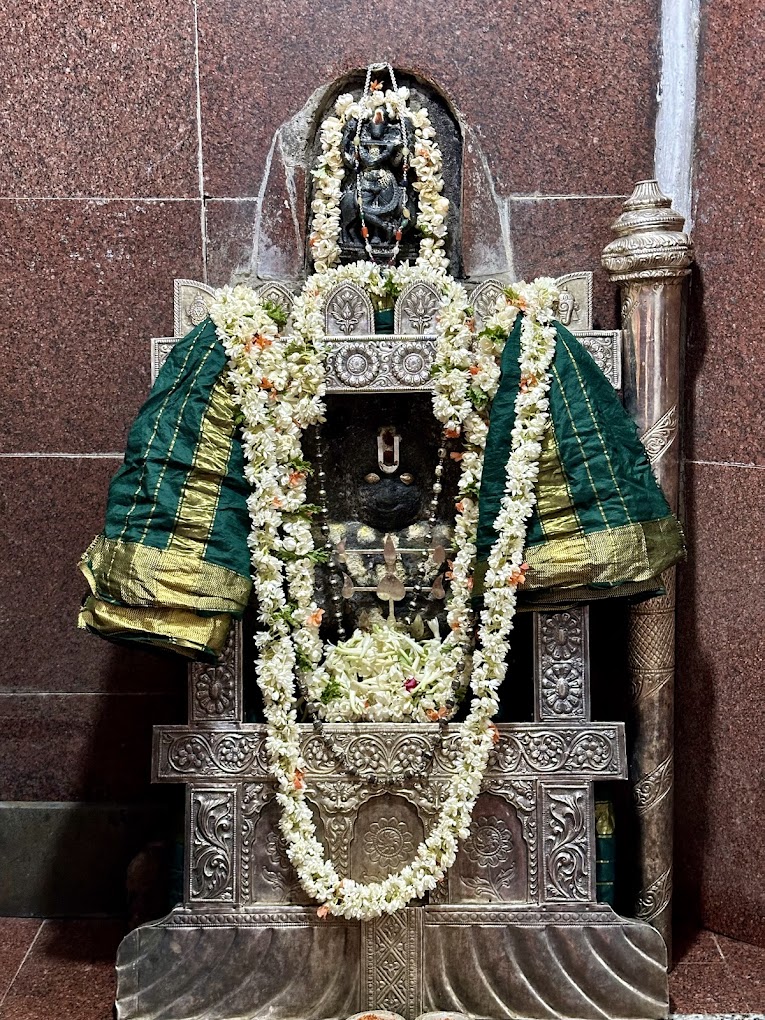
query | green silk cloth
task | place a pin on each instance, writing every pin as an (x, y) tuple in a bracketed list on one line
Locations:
[(601, 526), (171, 567)]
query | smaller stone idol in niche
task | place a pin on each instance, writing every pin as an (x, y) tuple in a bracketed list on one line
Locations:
[(377, 204)]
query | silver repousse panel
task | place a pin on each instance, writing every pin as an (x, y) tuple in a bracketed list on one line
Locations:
[(191, 301), (589, 750), (416, 309), (348, 311), (160, 350), (575, 310), (371, 364), (211, 845), (215, 689), (605, 348), (561, 676)]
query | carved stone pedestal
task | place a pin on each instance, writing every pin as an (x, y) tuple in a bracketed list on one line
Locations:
[(500, 961), (514, 930)]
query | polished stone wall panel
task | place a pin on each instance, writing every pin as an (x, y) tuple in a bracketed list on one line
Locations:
[(561, 94), (553, 237), (725, 370), (84, 747), (720, 708), (50, 510), (99, 99), (86, 284)]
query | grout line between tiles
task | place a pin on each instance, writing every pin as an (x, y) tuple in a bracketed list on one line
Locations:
[(21, 965), (729, 463), (65, 456), (719, 947), (200, 150)]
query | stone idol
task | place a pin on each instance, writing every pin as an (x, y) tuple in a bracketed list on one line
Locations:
[(354, 482)]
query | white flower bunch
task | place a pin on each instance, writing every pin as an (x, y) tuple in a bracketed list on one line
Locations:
[(278, 382)]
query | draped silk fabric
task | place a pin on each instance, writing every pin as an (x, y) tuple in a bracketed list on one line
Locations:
[(602, 526), (171, 567)]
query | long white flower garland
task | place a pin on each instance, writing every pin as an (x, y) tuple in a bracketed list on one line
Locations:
[(279, 383), (427, 163)]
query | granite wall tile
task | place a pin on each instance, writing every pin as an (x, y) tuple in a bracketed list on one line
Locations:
[(16, 936), (561, 94), (725, 371), (720, 764), (554, 237), (81, 746), (99, 100), (86, 284), (69, 973), (71, 859), (50, 510), (230, 228)]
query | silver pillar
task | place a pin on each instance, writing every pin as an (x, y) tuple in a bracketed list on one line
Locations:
[(650, 259)]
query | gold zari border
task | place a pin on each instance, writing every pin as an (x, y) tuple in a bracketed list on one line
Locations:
[(182, 631), (130, 574)]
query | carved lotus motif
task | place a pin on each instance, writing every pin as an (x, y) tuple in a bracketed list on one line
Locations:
[(357, 364), (214, 693), (562, 688), (561, 635), (388, 842), (490, 841), (189, 754), (411, 364)]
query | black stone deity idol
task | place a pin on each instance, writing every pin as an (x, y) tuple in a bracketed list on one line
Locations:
[(378, 206)]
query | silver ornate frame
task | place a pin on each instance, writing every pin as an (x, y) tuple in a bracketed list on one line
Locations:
[(515, 929)]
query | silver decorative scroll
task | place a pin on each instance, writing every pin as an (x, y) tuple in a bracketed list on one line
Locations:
[(650, 258), (212, 821)]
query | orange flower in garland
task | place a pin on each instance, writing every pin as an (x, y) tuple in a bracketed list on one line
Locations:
[(518, 574), (297, 779)]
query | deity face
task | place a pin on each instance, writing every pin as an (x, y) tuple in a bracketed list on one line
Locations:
[(359, 489)]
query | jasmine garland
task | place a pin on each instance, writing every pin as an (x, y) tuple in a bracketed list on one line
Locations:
[(278, 383)]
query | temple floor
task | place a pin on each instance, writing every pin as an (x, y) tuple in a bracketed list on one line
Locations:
[(65, 968)]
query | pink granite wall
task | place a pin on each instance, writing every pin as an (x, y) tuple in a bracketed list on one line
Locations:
[(720, 711), (136, 137)]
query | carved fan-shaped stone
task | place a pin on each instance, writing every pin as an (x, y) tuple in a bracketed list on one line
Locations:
[(348, 311), (277, 294), (416, 309), (191, 301), (483, 301)]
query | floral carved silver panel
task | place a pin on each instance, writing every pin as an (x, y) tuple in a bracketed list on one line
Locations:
[(416, 309), (215, 689), (605, 348), (348, 311), (561, 664), (366, 364), (567, 833), (588, 750), (211, 845), (483, 300)]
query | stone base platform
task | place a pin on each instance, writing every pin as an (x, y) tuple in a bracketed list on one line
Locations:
[(488, 961)]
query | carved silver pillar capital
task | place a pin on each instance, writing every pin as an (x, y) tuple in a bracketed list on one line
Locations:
[(650, 258), (650, 242)]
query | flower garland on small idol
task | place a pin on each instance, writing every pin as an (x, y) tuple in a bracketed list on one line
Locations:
[(278, 383), (427, 163)]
